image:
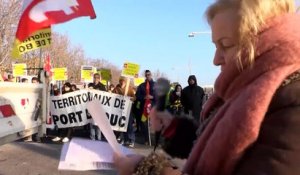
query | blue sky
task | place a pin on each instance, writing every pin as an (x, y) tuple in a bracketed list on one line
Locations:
[(152, 33)]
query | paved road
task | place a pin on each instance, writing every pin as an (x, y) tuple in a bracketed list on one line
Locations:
[(29, 158)]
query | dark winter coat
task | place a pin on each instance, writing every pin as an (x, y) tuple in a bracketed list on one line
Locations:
[(277, 150), (192, 97), (99, 86), (141, 94), (175, 101)]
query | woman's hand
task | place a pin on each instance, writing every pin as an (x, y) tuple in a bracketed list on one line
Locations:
[(125, 165), (160, 120)]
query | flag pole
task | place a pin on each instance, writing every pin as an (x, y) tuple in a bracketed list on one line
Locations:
[(41, 54), (127, 86), (149, 134)]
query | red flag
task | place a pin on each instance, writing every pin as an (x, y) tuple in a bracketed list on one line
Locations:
[(47, 65), (147, 106), (49, 120), (41, 14)]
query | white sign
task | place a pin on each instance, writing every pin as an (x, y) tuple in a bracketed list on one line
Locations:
[(87, 73), (18, 106), (94, 155), (70, 110)]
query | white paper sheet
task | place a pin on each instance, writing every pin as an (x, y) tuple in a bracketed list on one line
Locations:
[(83, 154), (95, 109)]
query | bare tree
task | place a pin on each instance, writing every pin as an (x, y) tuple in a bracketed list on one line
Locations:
[(64, 54), (32, 60), (10, 11), (58, 50), (77, 59), (102, 63)]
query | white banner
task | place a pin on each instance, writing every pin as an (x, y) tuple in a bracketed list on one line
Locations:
[(70, 110), (18, 107)]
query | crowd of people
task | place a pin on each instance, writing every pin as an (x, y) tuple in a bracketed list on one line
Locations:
[(180, 101), (11, 78)]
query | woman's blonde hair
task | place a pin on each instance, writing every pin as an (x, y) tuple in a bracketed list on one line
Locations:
[(252, 15)]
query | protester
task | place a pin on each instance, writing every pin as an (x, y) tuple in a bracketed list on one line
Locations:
[(24, 80), (252, 118), (95, 133), (64, 134), (136, 112), (129, 136), (145, 97), (10, 78), (67, 88), (91, 85), (74, 87), (111, 88), (175, 100), (35, 136), (55, 90), (97, 83), (35, 80), (192, 97)]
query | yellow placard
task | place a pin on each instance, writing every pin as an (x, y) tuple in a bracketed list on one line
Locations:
[(104, 82), (19, 70), (60, 74), (138, 81), (87, 73), (105, 74), (98, 71), (39, 39), (131, 70)]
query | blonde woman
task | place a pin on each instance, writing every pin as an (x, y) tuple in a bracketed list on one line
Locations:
[(254, 127)]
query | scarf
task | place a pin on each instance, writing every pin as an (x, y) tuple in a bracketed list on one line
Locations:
[(147, 106), (245, 97)]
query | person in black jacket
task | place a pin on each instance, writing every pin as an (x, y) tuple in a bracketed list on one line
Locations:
[(175, 100), (192, 97), (146, 99), (64, 134), (97, 84), (95, 133)]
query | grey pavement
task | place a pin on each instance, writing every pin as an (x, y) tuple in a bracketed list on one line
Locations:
[(30, 158)]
